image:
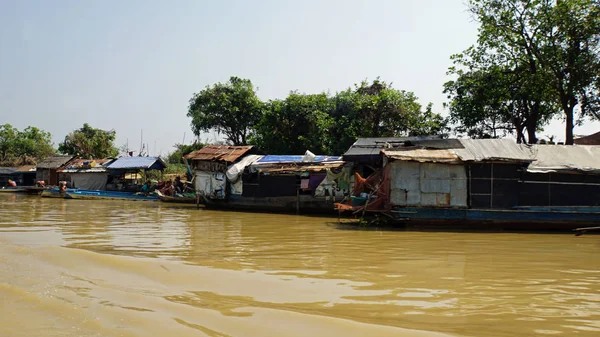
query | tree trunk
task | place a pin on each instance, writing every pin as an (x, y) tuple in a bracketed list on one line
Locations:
[(531, 136), (569, 126)]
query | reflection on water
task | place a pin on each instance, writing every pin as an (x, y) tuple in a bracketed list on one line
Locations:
[(84, 268)]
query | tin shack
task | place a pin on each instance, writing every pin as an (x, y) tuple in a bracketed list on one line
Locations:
[(47, 170), (87, 174), (125, 173), (494, 182), (210, 164)]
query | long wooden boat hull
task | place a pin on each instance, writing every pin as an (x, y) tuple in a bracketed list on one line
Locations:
[(536, 218), (179, 200), (108, 195), (11, 190)]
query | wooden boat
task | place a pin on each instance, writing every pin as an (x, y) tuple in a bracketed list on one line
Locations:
[(109, 195), (11, 189), (187, 198), (55, 193)]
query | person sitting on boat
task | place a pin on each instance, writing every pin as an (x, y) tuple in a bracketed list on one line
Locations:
[(179, 186), (169, 189), (12, 183), (145, 190), (62, 187)]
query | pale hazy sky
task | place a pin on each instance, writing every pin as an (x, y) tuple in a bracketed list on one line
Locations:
[(132, 65)]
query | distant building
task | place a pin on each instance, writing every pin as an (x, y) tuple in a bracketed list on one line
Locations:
[(47, 169), (593, 139)]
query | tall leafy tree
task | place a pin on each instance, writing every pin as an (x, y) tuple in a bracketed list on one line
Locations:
[(298, 123), (488, 100), (378, 110), (231, 108), (557, 40), (90, 143), (23, 147)]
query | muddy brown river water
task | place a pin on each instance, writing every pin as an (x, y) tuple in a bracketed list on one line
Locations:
[(107, 268)]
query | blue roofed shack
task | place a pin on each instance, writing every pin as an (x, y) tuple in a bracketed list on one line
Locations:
[(124, 172)]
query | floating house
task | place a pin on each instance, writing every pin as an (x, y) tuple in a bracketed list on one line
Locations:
[(562, 175), (240, 177), (6, 173), (124, 172), (47, 170), (488, 181), (87, 174), (210, 164), (25, 175)]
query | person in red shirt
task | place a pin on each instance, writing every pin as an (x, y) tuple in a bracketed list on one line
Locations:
[(12, 183)]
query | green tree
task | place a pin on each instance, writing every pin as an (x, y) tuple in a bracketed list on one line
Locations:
[(90, 143), (557, 38), (298, 123), (23, 147), (176, 157), (489, 101), (378, 110), (230, 108)]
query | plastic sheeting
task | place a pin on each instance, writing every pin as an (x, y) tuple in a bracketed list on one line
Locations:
[(235, 171), (565, 158), (89, 181), (295, 159)]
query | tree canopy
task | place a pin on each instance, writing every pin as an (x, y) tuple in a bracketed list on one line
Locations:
[(23, 147), (231, 108), (321, 123), (295, 124), (532, 59), (90, 143)]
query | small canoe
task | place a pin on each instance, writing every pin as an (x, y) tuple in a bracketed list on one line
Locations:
[(185, 199), (109, 195), (11, 189)]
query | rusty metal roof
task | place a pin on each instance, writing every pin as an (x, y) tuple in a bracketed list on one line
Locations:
[(423, 155), (225, 153)]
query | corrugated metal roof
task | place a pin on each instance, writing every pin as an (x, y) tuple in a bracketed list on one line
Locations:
[(224, 153), (85, 166), (492, 150), (423, 155), (137, 163), (565, 158), (295, 159), (54, 162), (373, 146), (7, 170)]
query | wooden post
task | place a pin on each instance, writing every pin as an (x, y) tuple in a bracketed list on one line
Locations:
[(297, 200)]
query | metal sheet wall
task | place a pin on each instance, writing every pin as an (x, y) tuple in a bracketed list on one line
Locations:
[(428, 184)]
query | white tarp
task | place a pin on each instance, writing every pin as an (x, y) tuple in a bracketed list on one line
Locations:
[(565, 158), (235, 171), (89, 181)]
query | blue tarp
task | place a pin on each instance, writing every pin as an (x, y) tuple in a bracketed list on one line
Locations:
[(295, 159), (137, 163)]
